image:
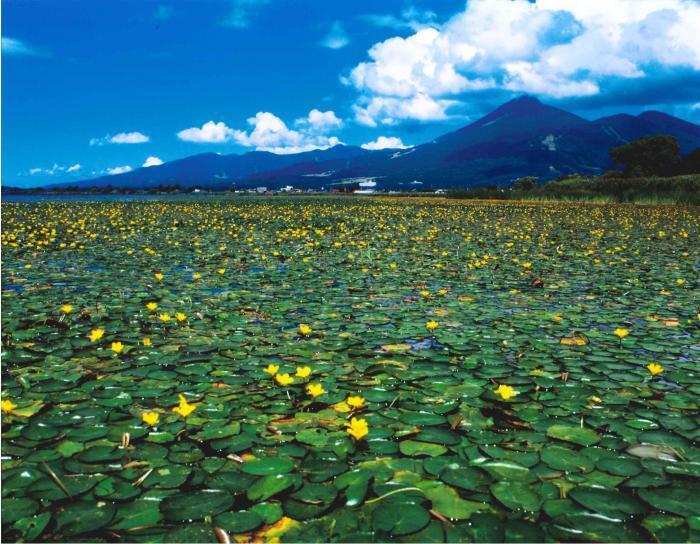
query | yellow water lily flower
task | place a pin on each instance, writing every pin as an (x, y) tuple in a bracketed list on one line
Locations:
[(221, 271), (164, 317), (159, 276), (271, 369), (152, 306), (66, 308), (425, 294), (621, 333), (357, 428), (117, 347), (180, 316), (655, 369), (284, 379), (680, 281), (7, 405), (355, 402), (505, 391), (315, 389), (96, 334), (184, 408), (305, 330), (303, 371), (196, 276), (147, 342), (431, 325), (150, 418)]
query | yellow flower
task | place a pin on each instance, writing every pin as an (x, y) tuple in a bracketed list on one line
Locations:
[(431, 325), (355, 402), (303, 371), (284, 379), (221, 271), (393, 266), (7, 405), (315, 389), (443, 291), (655, 369), (596, 400), (357, 428), (196, 276), (159, 276), (680, 281), (66, 308), (117, 347), (425, 294), (96, 334), (305, 330), (505, 391), (152, 306), (180, 316), (184, 408), (621, 333), (150, 418), (164, 317), (271, 369), (147, 342)]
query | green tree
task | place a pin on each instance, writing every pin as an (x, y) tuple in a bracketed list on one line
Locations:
[(648, 156), (690, 164), (528, 183)]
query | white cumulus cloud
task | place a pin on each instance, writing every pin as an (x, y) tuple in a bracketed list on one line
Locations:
[(152, 161), (211, 132), (268, 132), (385, 142), (121, 138), (119, 170), (129, 138), (336, 38), (73, 168), (556, 48), (320, 121)]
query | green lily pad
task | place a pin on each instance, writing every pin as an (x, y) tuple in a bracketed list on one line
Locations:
[(577, 435), (81, 517), (195, 505), (516, 496), (399, 519), (238, 522)]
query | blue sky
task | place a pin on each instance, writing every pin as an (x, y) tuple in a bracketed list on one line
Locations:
[(96, 87)]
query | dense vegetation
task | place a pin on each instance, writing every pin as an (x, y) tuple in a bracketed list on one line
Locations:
[(349, 370), (607, 188)]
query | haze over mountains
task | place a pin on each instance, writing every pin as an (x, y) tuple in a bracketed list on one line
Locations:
[(522, 137)]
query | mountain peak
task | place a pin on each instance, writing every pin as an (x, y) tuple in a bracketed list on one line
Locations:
[(524, 99), (521, 105)]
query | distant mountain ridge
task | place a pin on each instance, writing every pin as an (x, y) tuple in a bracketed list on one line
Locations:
[(521, 137)]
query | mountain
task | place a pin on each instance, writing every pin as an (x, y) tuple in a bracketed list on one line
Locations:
[(521, 137), (214, 170)]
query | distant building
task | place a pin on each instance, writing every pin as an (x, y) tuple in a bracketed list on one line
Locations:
[(360, 185)]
